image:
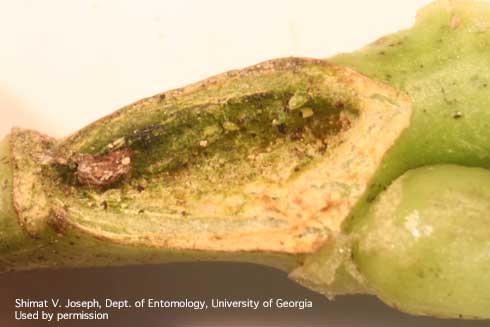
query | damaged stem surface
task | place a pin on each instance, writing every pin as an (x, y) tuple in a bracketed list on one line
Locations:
[(265, 161)]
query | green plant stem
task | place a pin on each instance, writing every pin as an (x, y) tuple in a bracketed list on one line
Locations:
[(258, 165)]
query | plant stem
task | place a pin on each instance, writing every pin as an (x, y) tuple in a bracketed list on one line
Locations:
[(260, 165)]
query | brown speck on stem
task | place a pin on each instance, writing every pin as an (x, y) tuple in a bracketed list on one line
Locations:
[(297, 135), (454, 22), (281, 128), (103, 170), (457, 114)]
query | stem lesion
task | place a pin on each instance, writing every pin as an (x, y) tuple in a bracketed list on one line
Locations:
[(268, 159), (103, 170)]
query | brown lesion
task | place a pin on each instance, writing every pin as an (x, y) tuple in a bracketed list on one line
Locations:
[(103, 170), (228, 167)]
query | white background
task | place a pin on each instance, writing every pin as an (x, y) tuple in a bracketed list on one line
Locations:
[(64, 64)]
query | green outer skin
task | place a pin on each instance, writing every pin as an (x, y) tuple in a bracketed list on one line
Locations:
[(12, 236), (446, 73), (444, 67), (424, 246)]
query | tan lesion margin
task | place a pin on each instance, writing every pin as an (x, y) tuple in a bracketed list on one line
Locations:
[(312, 201)]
